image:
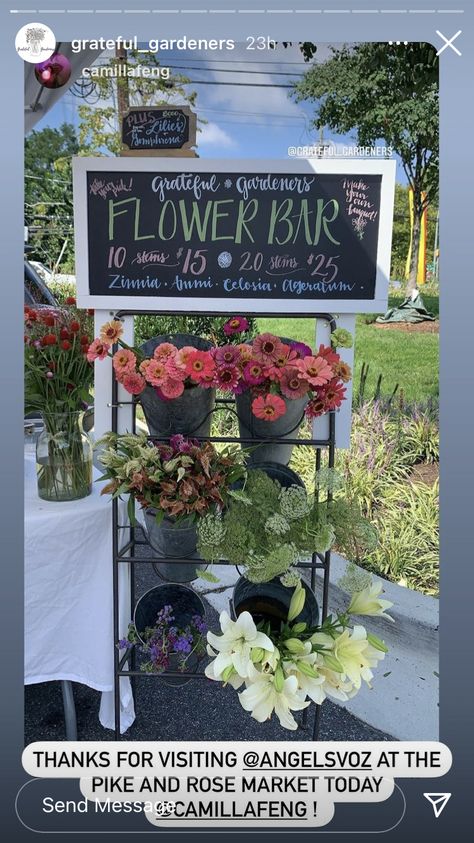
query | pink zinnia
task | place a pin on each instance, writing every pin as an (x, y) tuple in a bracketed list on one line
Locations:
[(154, 371), (164, 350), (226, 355), (182, 356), (97, 350), (235, 325), (200, 365), (172, 388), (291, 385), (333, 394), (328, 354), (315, 370), (268, 407), (227, 378), (267, 348), (124, 361), (245, 351), (253, 373), (133, 382)]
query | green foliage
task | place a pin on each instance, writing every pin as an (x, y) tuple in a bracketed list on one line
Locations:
[(48, 195), (380, 91), (209, 327), (294, 526)]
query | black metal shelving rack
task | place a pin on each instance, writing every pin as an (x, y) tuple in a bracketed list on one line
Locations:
[(125, 665)]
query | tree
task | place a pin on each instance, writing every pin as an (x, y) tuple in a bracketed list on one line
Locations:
[(385, 92), (48, 194), (99, 129)]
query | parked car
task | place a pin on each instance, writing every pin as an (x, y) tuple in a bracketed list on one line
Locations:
[(36, 291)]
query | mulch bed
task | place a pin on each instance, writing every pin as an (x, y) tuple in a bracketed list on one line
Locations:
[(410, 327), (425, 472)]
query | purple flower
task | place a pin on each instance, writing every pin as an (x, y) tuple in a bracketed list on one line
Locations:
[(301, 349), (236, 325), (226, 355)]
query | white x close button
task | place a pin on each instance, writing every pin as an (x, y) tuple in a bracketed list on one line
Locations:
[(448, 42)]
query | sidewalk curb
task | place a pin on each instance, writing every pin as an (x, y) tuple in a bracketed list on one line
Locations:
[(404, 699)]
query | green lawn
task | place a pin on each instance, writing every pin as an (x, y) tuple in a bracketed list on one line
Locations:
[(411, 360)]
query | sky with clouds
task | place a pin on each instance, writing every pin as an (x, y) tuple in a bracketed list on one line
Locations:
[(254, 118)]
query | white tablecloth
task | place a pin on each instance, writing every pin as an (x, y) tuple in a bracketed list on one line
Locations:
[(68, 595)]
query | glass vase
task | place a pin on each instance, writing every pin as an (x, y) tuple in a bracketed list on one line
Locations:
[(63, 458)]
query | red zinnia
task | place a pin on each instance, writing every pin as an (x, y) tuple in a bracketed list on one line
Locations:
[(75, 326), (333, 394), (199, 365), (291, 385), (267, 348), (48, 319), (71, 300), (268, 407), (49, 339), (64, 334), (65, 345)]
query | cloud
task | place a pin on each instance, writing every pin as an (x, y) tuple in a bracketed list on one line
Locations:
[(212, 135)]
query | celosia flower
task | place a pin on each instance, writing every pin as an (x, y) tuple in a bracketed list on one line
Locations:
[(314, 370), (292, 385), (343, 371), (133, 382), (70, 300), (124, 361), (267, 348), (235, 325), (269, 407), (227, 377), (172, 388), (253, 373), (200, 365), (111, 331)]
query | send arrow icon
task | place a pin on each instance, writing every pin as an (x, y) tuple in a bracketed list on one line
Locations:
[(438, 801)]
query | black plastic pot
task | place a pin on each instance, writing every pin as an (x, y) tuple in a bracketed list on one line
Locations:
[(285, 476), (191, 413), (270, 601), (185, 603)]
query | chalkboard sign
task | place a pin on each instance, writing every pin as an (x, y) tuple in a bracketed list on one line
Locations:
[(216, 236), (147, 129)]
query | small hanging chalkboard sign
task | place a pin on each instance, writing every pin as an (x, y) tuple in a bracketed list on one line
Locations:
[(161, 129)]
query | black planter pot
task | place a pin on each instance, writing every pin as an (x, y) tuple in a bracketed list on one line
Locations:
[(191, 413), (285, 476), (286, 427), (185, 603), (270, 601), (172, 540)]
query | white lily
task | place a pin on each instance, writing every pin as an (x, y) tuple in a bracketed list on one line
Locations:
[(310, 686), (367, 602), (335, 685), (351, 651), (232, 678), (262, 699), (234, 645)]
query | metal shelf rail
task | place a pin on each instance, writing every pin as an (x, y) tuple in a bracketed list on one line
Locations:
[(125, 665)]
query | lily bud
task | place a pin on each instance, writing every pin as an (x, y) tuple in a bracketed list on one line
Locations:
[(377, 643), (227, 673), (331, 662), (294, 645), (296, 603), (306, 668), (257, 654), (279, 682), (299, 627)]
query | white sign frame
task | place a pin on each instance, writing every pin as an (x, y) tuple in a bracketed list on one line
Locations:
[(168, 304)]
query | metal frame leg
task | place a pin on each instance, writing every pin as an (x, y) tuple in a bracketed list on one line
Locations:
[(69, 706)]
